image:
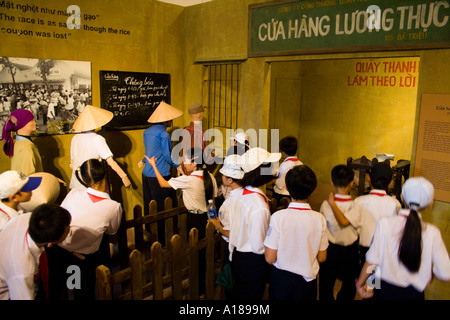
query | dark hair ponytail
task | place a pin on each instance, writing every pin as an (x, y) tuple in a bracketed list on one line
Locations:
[(91, 172), (410, 249), (197, 155), (208, 184)]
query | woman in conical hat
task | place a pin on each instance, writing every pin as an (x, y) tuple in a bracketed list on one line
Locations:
[(88, 145), (158, 144)]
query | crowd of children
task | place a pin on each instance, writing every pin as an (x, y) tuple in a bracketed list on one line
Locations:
[(289, 250)]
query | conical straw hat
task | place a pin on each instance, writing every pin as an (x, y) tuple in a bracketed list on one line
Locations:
[(164, 112), (92, 118)]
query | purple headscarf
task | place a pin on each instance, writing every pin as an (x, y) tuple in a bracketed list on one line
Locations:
[(16, 121)]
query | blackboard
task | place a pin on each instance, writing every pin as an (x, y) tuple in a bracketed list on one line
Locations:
[(132, 96), (322, 26)]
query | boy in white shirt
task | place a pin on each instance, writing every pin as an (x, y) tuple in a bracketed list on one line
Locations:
[(22, 242), (15, 188), (368, 209), (342, 253), (288, 148), (296, 241)]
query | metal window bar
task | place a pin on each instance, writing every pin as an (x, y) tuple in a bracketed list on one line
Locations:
[(223, 95)]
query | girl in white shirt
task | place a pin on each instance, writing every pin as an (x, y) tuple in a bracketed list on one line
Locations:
[(406, 250), (198, 187), (249, 221), (94, 214)]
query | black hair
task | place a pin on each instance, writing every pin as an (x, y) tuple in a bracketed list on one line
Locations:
[(410, 248), (301, 182), (381, 176), (197, 155), (255, 178), (342, 175), (289, 145), (91, 172), (48, 222)]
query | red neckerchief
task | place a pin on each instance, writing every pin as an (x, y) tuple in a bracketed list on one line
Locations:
[(246, 191), (95, 198), (194, 175), (378, 194), (338, 199), (5, 213), (291, 159)]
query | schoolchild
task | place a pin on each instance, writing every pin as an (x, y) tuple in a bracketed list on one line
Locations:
[(342, 253), (249, 220), (296, 241), (89, 145), (288, 148), (15, 188), (240, 144), (198, 186), (24, 154), (368, 209), (232, 173), (407, 250), (22, 242), (93, 214)]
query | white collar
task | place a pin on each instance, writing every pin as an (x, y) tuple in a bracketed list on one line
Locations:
[(299, 206), (34, 249)]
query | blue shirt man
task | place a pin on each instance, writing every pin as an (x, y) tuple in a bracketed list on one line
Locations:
[(158, 144)]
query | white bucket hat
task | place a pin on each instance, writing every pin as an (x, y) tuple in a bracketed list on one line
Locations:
[(418, 192), (255, 157), (232, 167), (240, 137)]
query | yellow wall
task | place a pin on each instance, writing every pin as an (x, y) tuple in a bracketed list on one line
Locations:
[(170, 39), (155, 44)]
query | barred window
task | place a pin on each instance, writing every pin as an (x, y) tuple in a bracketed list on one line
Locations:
[(221, 90)]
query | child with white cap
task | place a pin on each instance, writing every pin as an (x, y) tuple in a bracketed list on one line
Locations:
[(231, 176), (407, 251), (249, 221), (15, 188)]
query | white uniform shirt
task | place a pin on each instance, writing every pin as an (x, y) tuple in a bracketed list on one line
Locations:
[(384, 253), (298, 234), (93, 214), (224, 211), (343, 236), (367, 210), (193, 190), (7, 213), (249, 220), (285, 166), (85, 146), (19, 260)]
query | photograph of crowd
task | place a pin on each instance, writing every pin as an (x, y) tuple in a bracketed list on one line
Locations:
[(55, 91)]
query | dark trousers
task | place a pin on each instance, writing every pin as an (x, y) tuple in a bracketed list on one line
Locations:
[(285, 285), (342, 263), (153, 191), (389, 291), (199, 222), (362, 255), (251, 273), (64, 270)]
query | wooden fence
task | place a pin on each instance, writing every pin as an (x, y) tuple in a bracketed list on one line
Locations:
[(146, 270)]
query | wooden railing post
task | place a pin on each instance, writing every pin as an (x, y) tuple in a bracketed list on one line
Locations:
[(177, 272), (157, 267), (104, 283), (193, 264), (136, 275)]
